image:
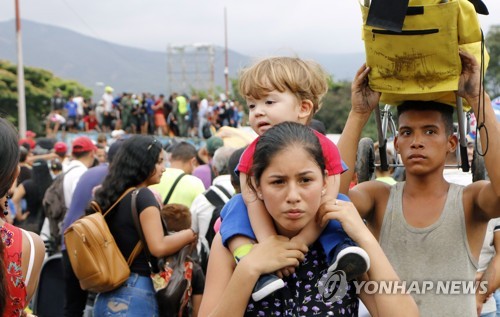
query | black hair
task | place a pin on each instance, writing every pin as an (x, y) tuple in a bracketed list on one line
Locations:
[(113, 149), (233, 162), (55, 165), (183, 151), (445, 110), (280, 137), (40, 176), (26, 146), (10, 155), (134, 163), (79, 155), (23, 153), (318, 126)]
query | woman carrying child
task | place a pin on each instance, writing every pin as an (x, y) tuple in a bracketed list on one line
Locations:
[(290, 180)]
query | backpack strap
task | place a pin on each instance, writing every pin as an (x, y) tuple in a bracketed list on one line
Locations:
[(135, 252), (97, 208), (213, 198), (167, 199), (138, 247), (222, 189)]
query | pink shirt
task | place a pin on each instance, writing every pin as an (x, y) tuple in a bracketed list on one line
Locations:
[(333, 162)]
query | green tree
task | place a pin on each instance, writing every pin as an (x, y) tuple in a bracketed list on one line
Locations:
[(492, 77), (40, 85), (335, 109)]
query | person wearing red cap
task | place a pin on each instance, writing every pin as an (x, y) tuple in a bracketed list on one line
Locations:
[(29, 139), (83, 152), (27, 143), (61, 150)]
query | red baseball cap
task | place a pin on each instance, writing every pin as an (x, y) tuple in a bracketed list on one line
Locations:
[(30, 134), (82, 144), (31, 143), (60, 147)]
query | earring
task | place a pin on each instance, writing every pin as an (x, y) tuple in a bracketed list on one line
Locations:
[(6, 209), (323, 192), (259, 194)]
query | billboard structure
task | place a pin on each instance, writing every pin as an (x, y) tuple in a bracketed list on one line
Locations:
[(191, 67)]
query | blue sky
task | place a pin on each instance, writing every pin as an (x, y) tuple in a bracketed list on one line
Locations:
[(254, 27)]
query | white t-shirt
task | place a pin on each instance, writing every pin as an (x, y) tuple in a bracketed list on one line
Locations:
[(107, 102), (71, 178)]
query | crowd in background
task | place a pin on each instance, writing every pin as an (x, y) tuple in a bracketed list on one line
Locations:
[(85, 164), (146, 113)]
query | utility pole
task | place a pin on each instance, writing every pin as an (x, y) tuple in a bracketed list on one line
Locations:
[(21, 101), (226, 67)]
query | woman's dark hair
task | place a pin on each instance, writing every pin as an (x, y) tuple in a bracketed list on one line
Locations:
[(133, 163), (41, 177), (10, 155), (280, 137)]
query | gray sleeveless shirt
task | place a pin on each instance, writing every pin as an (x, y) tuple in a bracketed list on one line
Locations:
[(435, 261)]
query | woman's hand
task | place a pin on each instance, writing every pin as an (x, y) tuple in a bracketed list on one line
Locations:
[(273, 254), (347, 215), (363, 98)]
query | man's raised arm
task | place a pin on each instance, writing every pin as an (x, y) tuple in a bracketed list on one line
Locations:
[(363, 101)]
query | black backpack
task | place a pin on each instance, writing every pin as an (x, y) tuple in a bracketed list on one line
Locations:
[(54, 206), (218, 203)]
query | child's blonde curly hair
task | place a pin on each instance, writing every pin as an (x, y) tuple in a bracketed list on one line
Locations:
[(305, 79)]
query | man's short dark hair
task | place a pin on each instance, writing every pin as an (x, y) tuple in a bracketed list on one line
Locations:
[(183, 151), (23, 153), (445, 110)]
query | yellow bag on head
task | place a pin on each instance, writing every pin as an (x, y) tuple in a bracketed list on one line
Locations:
[(422, 61)]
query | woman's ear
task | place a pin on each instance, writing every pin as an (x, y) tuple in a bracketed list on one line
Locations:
[(306, 107), (325, 182), (259, 195)]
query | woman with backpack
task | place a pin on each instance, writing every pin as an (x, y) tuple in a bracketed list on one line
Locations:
[(23, 251), (138, 164)]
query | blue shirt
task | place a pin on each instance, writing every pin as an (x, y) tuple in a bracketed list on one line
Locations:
[(83, 195), (71, 107)]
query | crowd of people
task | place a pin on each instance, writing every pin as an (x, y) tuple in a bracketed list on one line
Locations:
[(178, 115), (277, 227)]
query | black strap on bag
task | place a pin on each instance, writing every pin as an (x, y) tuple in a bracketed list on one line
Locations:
[(222, 189), (167, 199), (214, 198)]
